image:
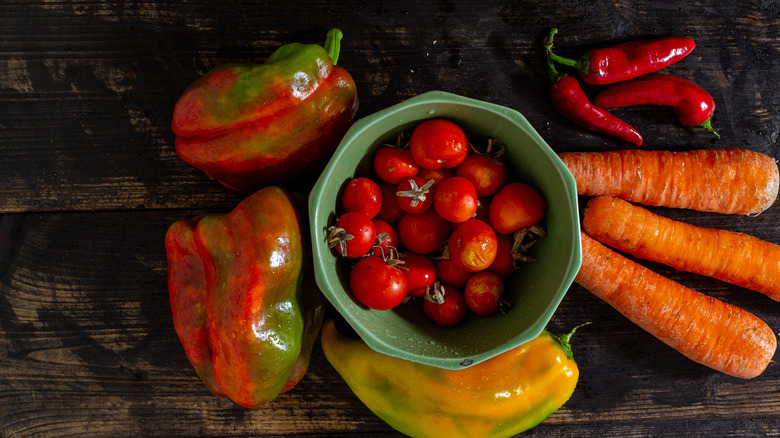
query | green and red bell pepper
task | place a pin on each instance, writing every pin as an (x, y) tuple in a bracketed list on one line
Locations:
[(244, 305), (252, 125)]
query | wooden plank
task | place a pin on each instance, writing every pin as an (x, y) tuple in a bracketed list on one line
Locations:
[(88, 344)]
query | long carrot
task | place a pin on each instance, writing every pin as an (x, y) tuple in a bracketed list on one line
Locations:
[(735, 258), (737, 181), (706, 330)]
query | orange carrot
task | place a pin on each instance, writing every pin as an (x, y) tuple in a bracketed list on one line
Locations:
[(737, 181), (706, 330), (735, 258)]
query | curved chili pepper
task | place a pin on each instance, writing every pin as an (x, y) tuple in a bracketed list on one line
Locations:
[(693, 105), (627, 60), (570, 100)]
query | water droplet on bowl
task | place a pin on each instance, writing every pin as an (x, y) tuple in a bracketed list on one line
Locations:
[(431, 112)]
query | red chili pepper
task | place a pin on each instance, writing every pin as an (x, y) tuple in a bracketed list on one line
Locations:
[(627, 60), (693, 105), (570, 100)]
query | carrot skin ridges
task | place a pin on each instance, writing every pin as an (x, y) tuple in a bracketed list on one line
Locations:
[(732, 181), (708, 331), (736, 258)]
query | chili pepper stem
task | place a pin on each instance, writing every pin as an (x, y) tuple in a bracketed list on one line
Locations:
[(554, 75), (333, 44), (580, 64), (707, 125)]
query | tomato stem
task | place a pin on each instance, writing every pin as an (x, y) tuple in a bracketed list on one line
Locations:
[(339, 236), (435, 293), (418, 194)]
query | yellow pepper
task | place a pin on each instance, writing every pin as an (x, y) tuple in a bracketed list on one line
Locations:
[(499, 397)]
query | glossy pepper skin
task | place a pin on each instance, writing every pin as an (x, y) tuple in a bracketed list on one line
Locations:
[(629, 60), (692, 104), (242, 309), (570, 101), (252, 125), (499, 397)]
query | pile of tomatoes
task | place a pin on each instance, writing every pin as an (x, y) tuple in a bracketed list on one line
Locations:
[(440, 222)]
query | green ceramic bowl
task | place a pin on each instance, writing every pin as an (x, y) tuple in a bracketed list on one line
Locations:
[(535, 289)]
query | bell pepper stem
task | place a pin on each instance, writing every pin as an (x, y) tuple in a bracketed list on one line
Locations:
[(333, 44), (565, 339), (580, 64), (708, 126)]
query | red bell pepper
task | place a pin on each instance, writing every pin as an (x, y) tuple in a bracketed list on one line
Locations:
[(244, 312), (252, 125)]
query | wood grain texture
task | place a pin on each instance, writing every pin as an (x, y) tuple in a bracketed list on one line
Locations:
[(89, 86), (89, 183)]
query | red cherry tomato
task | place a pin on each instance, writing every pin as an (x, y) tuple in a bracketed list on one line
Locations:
[(487, 175), (515, 206), (413, 194), (392, 164), (444, 305), (456, 199), (438, 143), (390, 211), (423, 233), (363, 195), (449, 272), (483, 293), (377, 284), (473, 245), (389, 236), (503, 265), (437, 175), (420, 273), (353, 234)]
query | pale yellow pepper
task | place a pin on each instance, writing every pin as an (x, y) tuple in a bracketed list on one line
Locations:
[(499, 397)]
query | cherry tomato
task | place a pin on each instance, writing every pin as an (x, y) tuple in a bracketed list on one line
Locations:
[(392, 164), (444, 305), (390, 236), (448, 271), (363, 195), (420, 273), (437, 175), (483, 293), (377, 284), (390, 211), (503, 265), (423, 233), (413, 195), (353, 234), (515, 206), (487, 175), (473, 245), (456, 199), (438, 143)]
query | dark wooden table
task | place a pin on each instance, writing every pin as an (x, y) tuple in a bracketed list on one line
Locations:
[(89, 183)]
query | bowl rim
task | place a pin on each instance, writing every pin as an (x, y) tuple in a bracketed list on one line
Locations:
[(316, 214)]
